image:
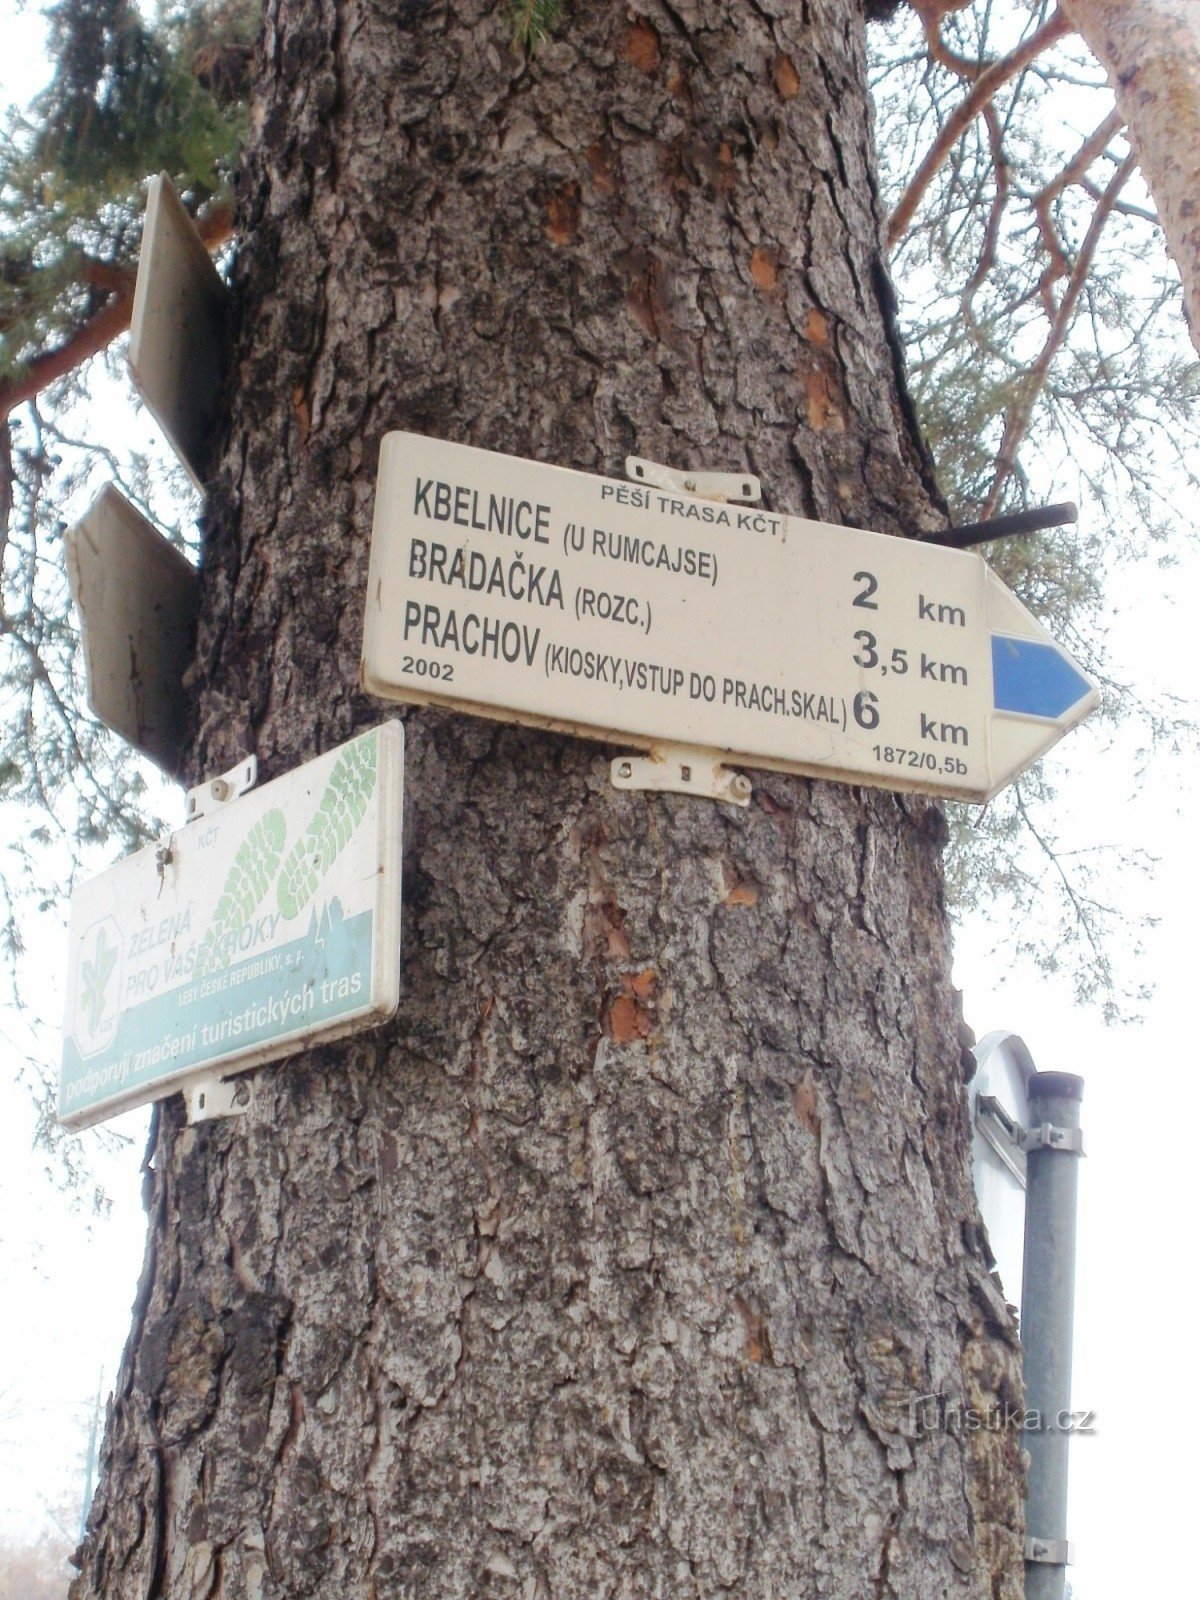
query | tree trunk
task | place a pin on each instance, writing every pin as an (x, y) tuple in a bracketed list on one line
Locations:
[(614, 1266), (1151, 52)]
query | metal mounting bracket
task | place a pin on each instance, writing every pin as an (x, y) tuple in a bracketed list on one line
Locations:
[(208, 797), (1048, 1137), (1050, 1552), (214, 1097), (1005, 1136), (681, 770), (742, 487)]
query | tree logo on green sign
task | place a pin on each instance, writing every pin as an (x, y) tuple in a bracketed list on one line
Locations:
[(98, 987)]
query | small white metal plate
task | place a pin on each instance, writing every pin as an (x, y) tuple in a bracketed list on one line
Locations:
[(743, 487), (177, 336), (270, 924), (208, 1099), (678, 771), (644, 616), (137, 597), (217, 792)]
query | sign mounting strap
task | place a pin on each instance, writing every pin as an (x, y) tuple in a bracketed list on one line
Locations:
[(217, 792), (218, 1097), (679, 769), (743, 488), (1052, 1552)]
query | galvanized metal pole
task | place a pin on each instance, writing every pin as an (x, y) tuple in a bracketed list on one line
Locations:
[(1053, 1145)]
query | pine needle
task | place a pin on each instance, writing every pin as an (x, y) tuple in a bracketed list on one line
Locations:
[(534, 20)]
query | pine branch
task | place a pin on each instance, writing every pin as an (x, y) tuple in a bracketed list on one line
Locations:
[(6, 491), (990, 80), (1016, 421), (932, 14), (98, 331), (991, 238), (1074, 171), (1084, 910), (86, 272)]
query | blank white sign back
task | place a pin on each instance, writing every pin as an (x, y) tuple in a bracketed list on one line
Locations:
[(137, 598), (177, 335)]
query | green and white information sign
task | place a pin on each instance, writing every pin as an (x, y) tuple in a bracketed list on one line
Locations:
[(272, 922)]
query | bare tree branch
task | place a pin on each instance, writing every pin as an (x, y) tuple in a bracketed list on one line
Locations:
[(1073, 172), (991, 238), (991, 79), (1017, 419), (932, 14)]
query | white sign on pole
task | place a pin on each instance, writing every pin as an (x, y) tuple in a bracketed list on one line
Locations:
[(644, 616), (137, 598), (269, 923), (177, 332), (999, 1103)]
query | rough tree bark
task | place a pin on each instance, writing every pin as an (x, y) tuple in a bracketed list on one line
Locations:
[(1151, 52), (613, 1266)]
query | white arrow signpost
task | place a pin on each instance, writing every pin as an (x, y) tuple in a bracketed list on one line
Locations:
[(270, 922), (646, 617)]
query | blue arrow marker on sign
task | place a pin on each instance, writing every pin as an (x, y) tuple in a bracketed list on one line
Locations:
[(1034, 680)]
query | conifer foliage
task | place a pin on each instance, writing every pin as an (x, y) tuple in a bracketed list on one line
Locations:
[(131, 94), (128, 98)]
